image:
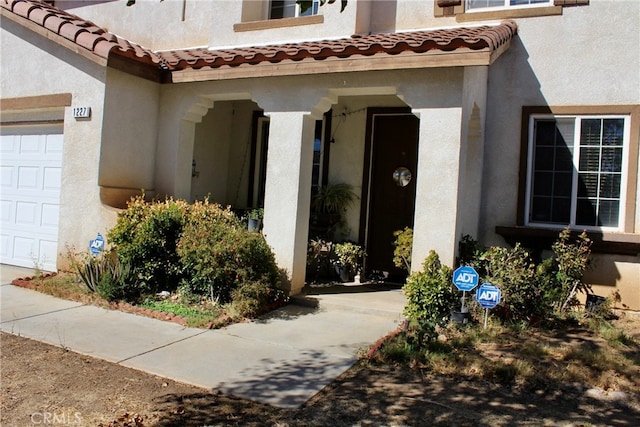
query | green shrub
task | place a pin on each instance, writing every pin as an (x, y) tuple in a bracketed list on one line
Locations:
[(403, 245), (218, 254), (469, 252), (572, 261), (145, 237), (201, 247), (532, 293), (513, 271), (430, 296), (252, 297)]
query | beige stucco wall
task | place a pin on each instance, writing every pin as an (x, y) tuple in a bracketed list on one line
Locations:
[(570, 74), (605, 273), (127, 151), (211, 153), (530, 73), (46, 68), (159, 25), (354, 19), (154, 24)]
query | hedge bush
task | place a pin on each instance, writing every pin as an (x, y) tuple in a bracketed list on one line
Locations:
[(145, 237), (513, 271), (219, 254), (200, 247), (532, 291)]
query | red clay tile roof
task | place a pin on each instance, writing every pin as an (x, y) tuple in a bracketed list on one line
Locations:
[(474, 38), (104, 44), (84, 33)]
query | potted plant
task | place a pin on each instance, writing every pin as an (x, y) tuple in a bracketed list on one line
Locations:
[(347, 260), (254, 219), (328, 207), (319, 253)]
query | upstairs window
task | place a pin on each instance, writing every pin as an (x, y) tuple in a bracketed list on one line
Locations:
[(576, 171), (290, 9), (473, 5), (479, 10)]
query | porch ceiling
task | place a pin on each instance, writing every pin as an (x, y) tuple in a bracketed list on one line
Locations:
[(463, 46)]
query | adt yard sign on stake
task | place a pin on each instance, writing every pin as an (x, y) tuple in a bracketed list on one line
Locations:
[(465, 278), (488, 296), (97, 245)]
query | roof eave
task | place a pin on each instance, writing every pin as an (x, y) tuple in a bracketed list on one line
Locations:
[(135, 67), (103, 53), (379, 62), (54, 37)]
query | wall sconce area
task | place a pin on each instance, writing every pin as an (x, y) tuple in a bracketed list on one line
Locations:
[(194, 173)]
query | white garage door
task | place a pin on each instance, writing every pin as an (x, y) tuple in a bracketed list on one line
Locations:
[(31, 164)]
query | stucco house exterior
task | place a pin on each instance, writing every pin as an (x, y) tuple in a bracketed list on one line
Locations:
[(507, 120)]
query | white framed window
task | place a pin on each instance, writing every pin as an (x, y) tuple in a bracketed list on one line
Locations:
[(576, 171), (484, 5), (290, 9)]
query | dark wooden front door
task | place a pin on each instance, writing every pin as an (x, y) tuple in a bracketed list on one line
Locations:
[(389, 184)]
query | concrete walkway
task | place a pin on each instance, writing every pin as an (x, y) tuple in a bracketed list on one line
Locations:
[(282, 359)]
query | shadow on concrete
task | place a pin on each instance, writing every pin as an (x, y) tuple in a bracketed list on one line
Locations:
[(290, 384), (350, 288), (291, 311)]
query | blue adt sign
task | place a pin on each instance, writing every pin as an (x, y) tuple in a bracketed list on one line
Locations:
[(488, 296), (97, 245), (465, 278)]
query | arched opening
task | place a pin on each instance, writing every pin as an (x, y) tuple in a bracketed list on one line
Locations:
[(229, 155)]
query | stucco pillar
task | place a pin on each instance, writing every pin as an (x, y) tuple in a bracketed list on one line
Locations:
[(474, 100), (288, 191), (438, 184)]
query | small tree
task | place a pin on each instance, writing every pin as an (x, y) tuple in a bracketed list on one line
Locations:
[(403, 245), (572, 261), (430, 296)]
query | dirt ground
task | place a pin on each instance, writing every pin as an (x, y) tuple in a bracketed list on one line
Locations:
[(48, 385)]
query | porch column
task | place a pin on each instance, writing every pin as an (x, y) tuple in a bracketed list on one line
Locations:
[(288, 192), (438, 185)]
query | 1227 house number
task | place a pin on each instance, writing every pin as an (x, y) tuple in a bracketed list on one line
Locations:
[(81, 112)]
